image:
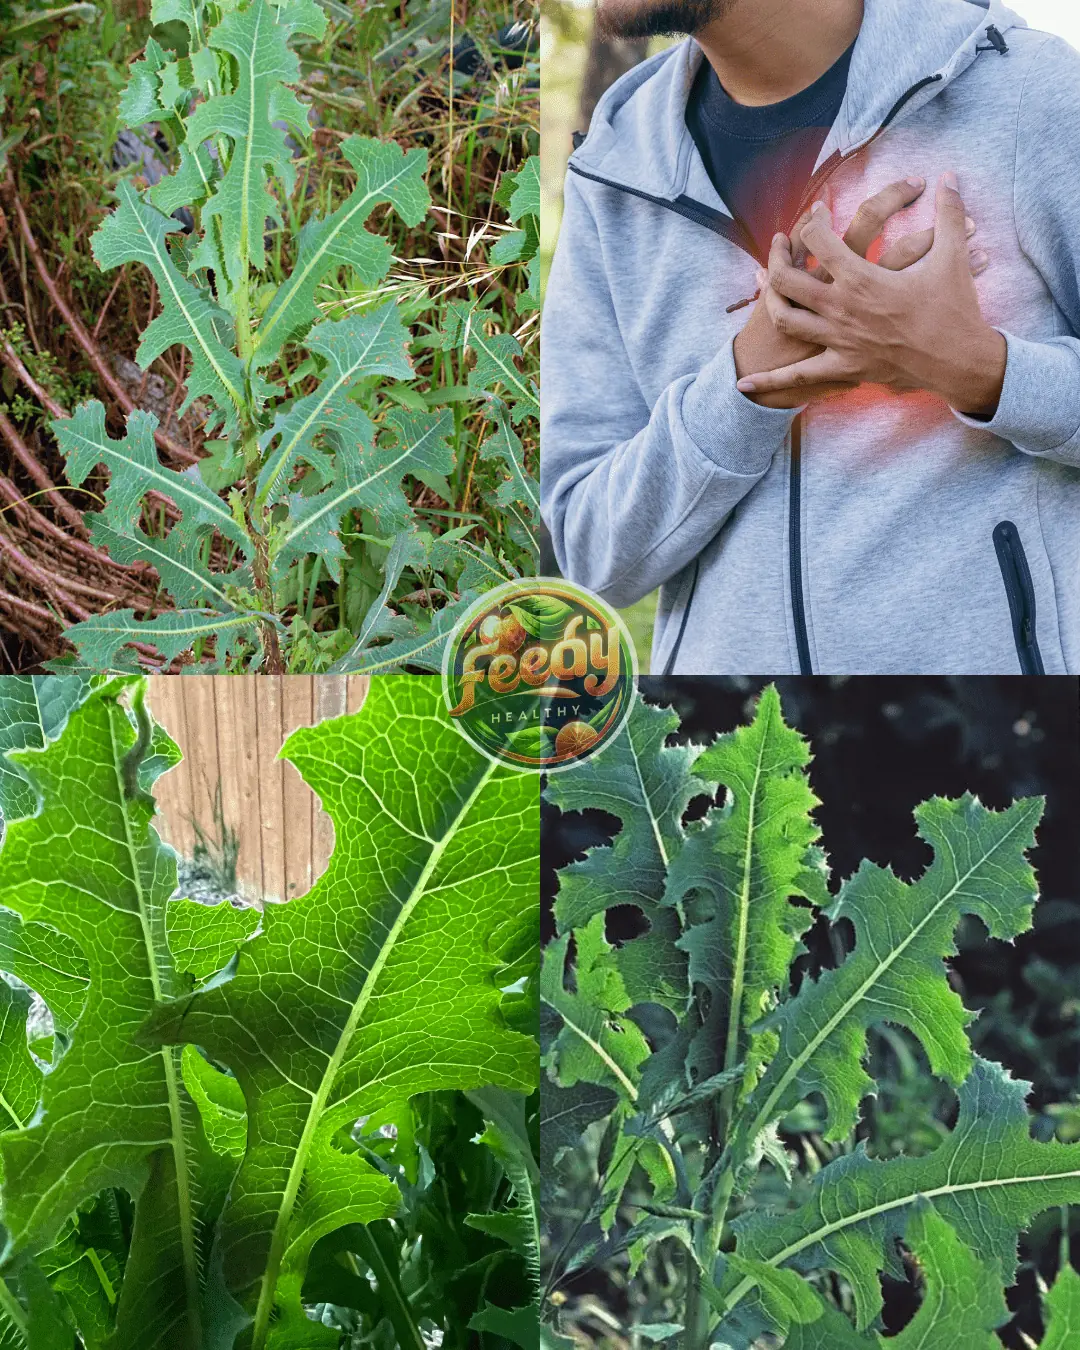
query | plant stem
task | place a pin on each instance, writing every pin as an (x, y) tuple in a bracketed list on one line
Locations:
[(401, 1316), (697, 1314), (260, 567), (13, 1310)]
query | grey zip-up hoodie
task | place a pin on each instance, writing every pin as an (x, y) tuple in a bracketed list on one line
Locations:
[(873, 532)]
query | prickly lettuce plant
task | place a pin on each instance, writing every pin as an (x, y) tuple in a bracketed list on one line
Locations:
[(500, 378), (224, 1138), (695, 1105), (283, 470)]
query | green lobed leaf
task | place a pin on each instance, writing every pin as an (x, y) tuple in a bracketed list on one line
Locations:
[(380, 983), (177, 558), (136, 232), (50, 962), (594, 1042), (139, 102), (365, 477), (99, 639), (371, 343), (220, 1100), (505, 446), (203, 939), (525, 200), (111, 1115), (188, 186), (385, 173), (33, 709), (20, 1076), (961, 1306), (422, 646), (648, 786), (496, 367), (135, 470), (987, 1180), (250, 116), (895, 972), (187, 12), (735, 878)]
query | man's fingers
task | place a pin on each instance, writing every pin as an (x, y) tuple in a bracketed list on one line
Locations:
[(790, 281), (825, 245), (825, 368), (795, 323), (951, 221), (914, 246), (871, 218), (816, 393), (907, 250), (978, 262)]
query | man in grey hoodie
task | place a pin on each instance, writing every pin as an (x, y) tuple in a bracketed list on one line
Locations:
[(866, 470)]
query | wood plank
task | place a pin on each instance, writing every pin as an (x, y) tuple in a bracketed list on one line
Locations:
[(165, 699), (228, 758), (268, 738), (357, 687), (297, 703), (202, 748), (236, 708), (331, 700)]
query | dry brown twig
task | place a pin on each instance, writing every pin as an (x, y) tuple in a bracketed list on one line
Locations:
[(78, 331)]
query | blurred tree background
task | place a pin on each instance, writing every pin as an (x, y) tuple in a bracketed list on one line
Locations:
[(882, 745)]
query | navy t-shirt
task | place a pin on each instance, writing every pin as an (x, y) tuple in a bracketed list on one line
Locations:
[(761, 159)]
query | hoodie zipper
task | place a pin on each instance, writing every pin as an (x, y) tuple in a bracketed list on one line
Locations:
[(730, 229), (1021, 596)]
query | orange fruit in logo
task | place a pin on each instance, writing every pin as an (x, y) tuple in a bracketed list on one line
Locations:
[(506, 631), (511, 634), (575, 738)]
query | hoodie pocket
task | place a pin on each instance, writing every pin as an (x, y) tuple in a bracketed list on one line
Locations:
[(1021, 596)]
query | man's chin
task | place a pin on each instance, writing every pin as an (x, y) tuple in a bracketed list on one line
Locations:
[(630, 19)]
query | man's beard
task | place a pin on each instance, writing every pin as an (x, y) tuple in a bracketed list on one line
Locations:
[(657, 18)]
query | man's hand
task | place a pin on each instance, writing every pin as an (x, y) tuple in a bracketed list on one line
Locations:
[(920, 328), (760, 346)]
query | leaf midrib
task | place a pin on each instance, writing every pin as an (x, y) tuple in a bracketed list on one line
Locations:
[(170, 487), (511, 375), (168, 1058), (343, 496), (301, 274), (268, 1283), (343, 374), (812, 1046), (738, 977), (827, 1230), (166, 271)]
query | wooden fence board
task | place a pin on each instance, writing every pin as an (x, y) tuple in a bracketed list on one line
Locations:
[(298, 710), (230, 729), (271, 784)]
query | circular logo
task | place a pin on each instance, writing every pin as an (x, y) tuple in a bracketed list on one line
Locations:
[(539, 674)]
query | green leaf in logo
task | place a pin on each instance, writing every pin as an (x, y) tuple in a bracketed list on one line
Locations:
[(542, 616), (535, 741)]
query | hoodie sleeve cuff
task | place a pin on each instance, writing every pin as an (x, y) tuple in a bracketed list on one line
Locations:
[(739, 436), (1039, 411)]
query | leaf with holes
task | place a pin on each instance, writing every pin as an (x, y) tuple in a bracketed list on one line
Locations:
[(112, 1115), (380, 983)]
